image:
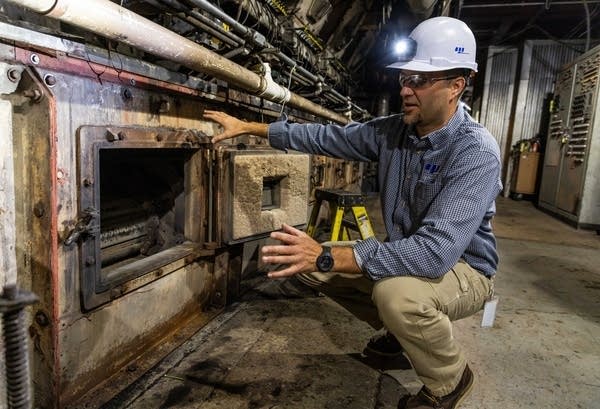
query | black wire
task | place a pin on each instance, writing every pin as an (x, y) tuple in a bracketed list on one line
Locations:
[(110, 54)]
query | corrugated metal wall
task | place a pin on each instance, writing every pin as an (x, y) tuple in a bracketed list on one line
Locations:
[(540, 62), (498, 92)]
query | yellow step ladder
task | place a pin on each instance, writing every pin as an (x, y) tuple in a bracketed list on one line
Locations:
[(340, 204)]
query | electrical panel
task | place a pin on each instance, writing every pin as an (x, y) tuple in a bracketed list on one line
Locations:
[(570, 186)]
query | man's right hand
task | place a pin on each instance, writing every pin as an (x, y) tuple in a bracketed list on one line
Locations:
[(233, 127)]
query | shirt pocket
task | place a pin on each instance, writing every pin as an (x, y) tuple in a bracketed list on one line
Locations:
[(426, 190)]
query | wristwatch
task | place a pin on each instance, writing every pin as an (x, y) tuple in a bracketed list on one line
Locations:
[(325, 260)]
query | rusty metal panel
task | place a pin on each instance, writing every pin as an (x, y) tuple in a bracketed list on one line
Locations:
[(77, 346), (36, 179), (73, 351), (136, 185)]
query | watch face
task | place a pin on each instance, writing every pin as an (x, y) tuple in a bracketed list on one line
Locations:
[(326, 263), (325, 260)]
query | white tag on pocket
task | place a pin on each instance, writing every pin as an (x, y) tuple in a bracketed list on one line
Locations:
[(489, 312)]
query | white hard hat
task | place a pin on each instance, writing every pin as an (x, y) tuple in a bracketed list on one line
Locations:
[(440, 43)]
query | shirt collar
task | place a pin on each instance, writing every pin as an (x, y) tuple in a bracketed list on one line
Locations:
[(441, 137)]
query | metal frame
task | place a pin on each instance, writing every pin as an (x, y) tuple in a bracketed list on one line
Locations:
[(91, 139)]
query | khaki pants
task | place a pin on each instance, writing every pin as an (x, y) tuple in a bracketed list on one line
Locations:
[(418, 311)]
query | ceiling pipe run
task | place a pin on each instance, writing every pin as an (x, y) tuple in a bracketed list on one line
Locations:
[(257, 39), (109, 20)]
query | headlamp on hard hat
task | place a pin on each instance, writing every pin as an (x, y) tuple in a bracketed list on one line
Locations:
[(405, 49)]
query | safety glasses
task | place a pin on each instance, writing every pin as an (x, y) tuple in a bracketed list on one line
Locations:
[(420, 81)]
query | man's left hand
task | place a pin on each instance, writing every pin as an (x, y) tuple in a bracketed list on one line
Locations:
[(298, 251)]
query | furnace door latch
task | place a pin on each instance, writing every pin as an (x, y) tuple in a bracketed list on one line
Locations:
[(85, 226)]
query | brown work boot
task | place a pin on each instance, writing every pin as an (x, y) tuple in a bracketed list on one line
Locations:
[(426, 400), (384, 346)]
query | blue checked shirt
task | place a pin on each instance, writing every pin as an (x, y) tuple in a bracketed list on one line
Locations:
[(437, 192)]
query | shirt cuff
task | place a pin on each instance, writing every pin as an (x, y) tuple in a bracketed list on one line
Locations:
[(363, 250), (277, 134)]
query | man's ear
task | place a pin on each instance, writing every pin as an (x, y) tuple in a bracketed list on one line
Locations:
[(458, 86)]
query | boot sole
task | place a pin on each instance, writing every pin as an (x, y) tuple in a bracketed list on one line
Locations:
[(465, 394)]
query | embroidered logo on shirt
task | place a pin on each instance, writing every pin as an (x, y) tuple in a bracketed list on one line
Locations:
[(432, 168)]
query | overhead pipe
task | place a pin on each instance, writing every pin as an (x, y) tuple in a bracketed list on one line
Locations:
[(109, 20), (207, 24), (257, 39)]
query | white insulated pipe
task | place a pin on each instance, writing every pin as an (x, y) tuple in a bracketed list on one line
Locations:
[(109, 20)]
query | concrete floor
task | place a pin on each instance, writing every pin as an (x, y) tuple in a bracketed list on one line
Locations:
[(283, 348)]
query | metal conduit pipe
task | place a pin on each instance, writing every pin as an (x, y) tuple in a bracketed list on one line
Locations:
[(301, 80), (109, 20), (230, 39), (216, 11), (336, 95), (204, 27), (247, 32)]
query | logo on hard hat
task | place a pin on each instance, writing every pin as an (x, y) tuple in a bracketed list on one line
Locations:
[(460, 50)]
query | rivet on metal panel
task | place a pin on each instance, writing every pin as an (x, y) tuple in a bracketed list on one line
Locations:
[(39, 209), (13, 75), (50, 80), (34, 58), (42, 319), (127, 94)]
